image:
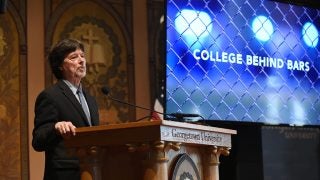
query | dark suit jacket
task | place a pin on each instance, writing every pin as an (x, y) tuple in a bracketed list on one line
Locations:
[(54, 104)]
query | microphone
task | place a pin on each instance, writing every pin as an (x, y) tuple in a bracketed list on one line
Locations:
[(183, 115), (178, 116)]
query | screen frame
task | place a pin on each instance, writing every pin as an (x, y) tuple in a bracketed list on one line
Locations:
[(305, 3), (302, 3)]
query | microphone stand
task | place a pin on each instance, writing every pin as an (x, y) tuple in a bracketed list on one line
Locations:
[(180, 117), (123, 102)]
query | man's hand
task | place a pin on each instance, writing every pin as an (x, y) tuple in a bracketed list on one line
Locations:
[(65, 128)]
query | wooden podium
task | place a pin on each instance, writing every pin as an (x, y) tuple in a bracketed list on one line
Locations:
[(153, 150)]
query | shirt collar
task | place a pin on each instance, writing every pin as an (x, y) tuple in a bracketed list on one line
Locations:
[(73, 88)]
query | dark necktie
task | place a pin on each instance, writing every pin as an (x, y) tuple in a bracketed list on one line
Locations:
[(85, 108)]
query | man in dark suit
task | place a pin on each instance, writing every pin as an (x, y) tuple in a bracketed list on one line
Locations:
[(61, 108)]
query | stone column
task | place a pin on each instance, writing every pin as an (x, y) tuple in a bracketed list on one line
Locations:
[(91, 162), (210, 161)]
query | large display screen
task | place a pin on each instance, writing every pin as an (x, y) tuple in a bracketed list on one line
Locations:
[(243, 61)]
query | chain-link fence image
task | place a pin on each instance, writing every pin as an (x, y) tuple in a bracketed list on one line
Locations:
[(243, 60)]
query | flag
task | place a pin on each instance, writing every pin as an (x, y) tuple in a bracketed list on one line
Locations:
[(157, 114)]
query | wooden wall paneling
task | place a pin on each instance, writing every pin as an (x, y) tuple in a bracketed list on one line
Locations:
[(156, 40), (13, 92)]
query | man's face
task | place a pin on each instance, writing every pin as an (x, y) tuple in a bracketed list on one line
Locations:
[(74, 65)]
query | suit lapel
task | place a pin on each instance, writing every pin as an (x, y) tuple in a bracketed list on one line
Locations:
[(71, 97)]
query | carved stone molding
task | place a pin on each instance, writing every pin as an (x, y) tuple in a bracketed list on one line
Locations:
[(212, 154), (157, 150)]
